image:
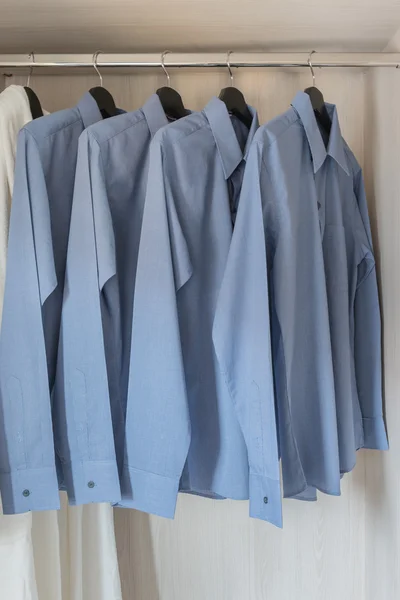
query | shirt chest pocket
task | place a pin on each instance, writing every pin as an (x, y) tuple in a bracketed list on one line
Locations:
[(335, 259)]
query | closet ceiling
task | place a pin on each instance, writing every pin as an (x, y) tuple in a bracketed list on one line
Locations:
[(48, 26)]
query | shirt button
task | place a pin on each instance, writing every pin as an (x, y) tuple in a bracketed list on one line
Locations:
[(90, 484), (265, 499), (26, 493)]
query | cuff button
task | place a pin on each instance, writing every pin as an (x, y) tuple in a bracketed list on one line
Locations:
[(90, 484), (265, 499), (26, 493)]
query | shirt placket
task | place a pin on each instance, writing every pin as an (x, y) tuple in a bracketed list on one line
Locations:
[(234, 187), (320, 189)]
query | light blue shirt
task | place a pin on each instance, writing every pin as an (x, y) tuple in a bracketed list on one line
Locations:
[(195, 420), (304, 206), (40, 217), (92, 376)]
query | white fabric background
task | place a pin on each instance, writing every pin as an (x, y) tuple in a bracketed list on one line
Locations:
[(56, 555), (59, 555), (75, 555)]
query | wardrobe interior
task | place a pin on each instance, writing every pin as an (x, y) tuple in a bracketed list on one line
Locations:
[(346, 547)]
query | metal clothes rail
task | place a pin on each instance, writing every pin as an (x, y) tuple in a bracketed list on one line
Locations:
[(178, 60)]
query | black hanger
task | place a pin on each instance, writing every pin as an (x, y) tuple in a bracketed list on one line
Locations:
[(103, 98), (236, 105), (172, 103), (234, 100), (34, 103), (170, 99), (104, 101), (319, 106)]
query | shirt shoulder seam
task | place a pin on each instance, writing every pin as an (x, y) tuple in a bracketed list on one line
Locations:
[(50, 135), (267, 169), (352, 161), (33, 138), (185, 134), (110, 137), (262, 144)]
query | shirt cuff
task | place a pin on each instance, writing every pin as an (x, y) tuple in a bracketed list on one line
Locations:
[(148, 492), (375, 436), (29, 489), (92, 481), (309, 495), (265, 499)]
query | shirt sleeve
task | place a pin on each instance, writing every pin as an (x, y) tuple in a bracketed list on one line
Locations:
[(82, 411), (157, 423), (367, 332), (28, 479), (242, 344)]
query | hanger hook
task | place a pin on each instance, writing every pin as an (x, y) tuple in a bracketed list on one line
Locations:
[(228, 64), (31, 57), (311, 67), (163, 55), (96, 68)]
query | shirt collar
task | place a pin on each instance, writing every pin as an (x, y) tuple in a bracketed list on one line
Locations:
[(303, 107), (225, 137), (154, 114), (89, 110)]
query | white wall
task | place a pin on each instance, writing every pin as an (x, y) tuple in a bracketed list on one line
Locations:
[(339, 548), (383, 470)]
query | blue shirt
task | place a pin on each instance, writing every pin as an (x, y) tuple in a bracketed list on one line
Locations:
[(92, 376), (193, 422), (40, 217), (323, 298)]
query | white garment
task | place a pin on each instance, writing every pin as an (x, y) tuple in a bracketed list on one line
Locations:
[(56, 555), (75, 553), (14, 114)]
